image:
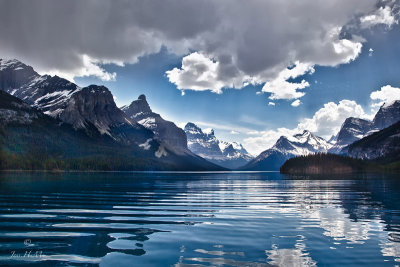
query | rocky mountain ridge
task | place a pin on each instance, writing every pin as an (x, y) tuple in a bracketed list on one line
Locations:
[(91, 110), (287, 147), (205, 144), (166, 131), (354, 129)]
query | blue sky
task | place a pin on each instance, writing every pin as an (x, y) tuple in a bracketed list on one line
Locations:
[(252, 70)]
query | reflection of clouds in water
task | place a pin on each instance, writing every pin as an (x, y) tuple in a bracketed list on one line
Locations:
[(296, 256), (290, 256), (391, 246), (219, 252), (318, 205), (339, 226), (219, 260)]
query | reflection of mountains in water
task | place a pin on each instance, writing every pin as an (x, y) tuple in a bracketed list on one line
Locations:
[(229, 218)]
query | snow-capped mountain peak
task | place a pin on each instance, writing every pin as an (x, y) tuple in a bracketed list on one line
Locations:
[(205, 144), (286, 147)]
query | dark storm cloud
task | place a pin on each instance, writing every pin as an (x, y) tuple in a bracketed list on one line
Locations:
[(55, 34), (239, 41)]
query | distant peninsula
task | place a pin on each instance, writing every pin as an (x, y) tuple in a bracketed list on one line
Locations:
[(322, 163)]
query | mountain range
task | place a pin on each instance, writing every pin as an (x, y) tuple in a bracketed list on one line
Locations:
[(83, 118), (230, 155), (352, 130), (50, 122)]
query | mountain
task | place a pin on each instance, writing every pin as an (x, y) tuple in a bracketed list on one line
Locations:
[(388, 114), (354, 129), (285, 148), (351, 130), (377, 152), (91, 108), (205, 144), (384, 143), (166, 131), (81, 107), (92, 111)]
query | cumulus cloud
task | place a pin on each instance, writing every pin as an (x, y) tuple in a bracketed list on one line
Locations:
[(386, 94), (271, 104), (383, 16), (280, 88), (325, 122), (199, 73), (296, 103), (236, 43)]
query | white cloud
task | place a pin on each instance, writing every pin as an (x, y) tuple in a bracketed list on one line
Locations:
[(386, 94), (198, 73), (271, 104), (296, 103), (381, 16), (280, 88), (234, 132), (201, 73), (325, 122), (89, 67)]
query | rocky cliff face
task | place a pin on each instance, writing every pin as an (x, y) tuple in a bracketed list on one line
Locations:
[(354, 129), (93, 104), (287, 147), (388, 114), (166, 131), (205, 144)]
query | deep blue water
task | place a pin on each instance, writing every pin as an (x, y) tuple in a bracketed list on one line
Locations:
[(198, 219)]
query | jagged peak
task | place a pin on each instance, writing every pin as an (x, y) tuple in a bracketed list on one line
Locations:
[(191, 125), (96, 89), (390, 103), (139, 105), (209, 131), (16, 65), (353, 120), (304, 134)]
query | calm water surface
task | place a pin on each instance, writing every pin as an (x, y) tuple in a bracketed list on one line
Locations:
[(198, 219)]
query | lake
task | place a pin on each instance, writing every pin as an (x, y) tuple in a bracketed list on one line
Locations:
[(198, 219)]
